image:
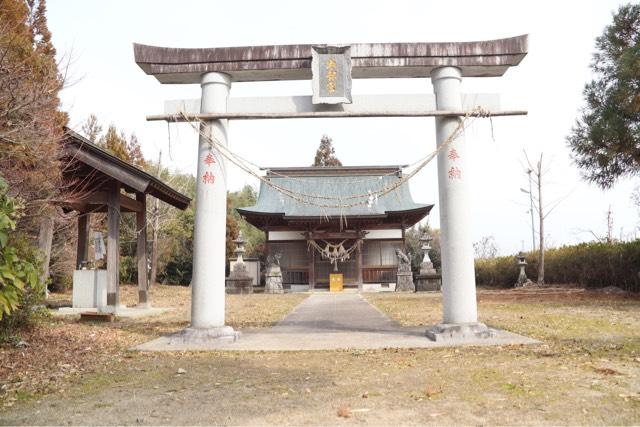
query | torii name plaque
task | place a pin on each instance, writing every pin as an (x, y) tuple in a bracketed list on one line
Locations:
[(331, 71)]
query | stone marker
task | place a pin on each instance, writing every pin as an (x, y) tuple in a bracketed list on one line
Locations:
[(428, 279), (404, 281), (239, 280), (273, 280)]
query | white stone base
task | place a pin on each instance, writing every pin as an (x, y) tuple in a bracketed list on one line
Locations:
[(299, 288), (378, 287), (459, 332), (195, 336), (122, 311)]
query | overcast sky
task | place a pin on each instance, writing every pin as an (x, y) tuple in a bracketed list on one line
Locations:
[(97, 37)]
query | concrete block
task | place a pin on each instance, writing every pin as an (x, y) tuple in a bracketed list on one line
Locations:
[(459, 332), (89, 288)]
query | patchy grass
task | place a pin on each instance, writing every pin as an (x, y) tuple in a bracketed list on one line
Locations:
[(63, 349), (585, 373)]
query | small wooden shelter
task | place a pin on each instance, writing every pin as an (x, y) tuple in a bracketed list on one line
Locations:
[(97, 181)]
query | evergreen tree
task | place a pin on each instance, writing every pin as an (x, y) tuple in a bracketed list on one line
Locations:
[(31, 124), (325, 154), (605, 140), (114, 141)]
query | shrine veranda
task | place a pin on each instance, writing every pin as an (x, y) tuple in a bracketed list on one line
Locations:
[(330, 69)]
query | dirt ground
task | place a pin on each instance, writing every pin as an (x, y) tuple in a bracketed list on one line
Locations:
[(585, 371)]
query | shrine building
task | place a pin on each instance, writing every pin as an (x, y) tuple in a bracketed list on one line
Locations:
[(369, 229)]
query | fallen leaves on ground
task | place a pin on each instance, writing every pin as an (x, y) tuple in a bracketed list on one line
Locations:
[(344, 411)]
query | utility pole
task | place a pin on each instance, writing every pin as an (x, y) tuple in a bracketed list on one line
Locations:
[(541, 226), (155, 226)]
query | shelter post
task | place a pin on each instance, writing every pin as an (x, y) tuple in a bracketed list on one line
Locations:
[(82, 254), (141, 251), (113, 246)]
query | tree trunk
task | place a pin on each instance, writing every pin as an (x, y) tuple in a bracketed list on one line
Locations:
[(154, 246), (541, 227), (154, 243), (44, 244)]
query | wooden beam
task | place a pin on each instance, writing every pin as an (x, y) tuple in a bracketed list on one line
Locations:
[(82, 253), (359, 264), (141, 251), (102, 198), (361, 103), (319, 235), (113, 247), (324, 114), (312, 268)]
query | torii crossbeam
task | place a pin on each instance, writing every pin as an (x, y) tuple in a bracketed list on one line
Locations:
[(444, 63)]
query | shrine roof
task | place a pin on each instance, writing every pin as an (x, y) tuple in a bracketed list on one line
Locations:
[(353, 184), (488, 58), (103, 165)]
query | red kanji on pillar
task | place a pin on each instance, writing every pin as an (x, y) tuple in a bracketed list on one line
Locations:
[(455, 173), (208, 178), (453, 155), (209, 160)]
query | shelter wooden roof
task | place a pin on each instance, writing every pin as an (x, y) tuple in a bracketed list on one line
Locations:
[(89, 171)]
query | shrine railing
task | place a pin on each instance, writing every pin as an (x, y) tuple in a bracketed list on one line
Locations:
[(295, 276), (379, 274)]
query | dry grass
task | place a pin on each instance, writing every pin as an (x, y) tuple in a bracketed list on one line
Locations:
[(63, 349), (586, 372)]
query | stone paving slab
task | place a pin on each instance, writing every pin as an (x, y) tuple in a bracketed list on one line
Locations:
[(126, 312), (332, 322)]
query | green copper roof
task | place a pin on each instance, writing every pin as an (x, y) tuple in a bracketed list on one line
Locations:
[(333, 181)]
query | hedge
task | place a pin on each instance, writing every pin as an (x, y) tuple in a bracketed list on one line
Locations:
[(591, 265)]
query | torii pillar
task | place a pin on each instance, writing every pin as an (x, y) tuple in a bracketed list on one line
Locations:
[(208, 283), (458, 274)]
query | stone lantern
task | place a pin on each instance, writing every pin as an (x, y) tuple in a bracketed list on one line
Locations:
[(239, 281), (522, 277), (428, 279), (427, 266), (240, 250)]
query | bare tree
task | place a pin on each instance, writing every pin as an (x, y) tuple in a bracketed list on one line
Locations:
[(537, 174), (485, 248)]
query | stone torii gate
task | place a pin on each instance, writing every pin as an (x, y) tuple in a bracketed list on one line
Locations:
[(331, 69)]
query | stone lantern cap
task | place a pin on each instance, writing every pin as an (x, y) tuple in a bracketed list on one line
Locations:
[(522, 259), (426, 241)]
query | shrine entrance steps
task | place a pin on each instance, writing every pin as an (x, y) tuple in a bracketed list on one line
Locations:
[(329, 321)]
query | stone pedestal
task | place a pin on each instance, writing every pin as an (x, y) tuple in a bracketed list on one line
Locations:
[(404, 282), (428, 282), (273, 281), (239, 281), (459, 331), (428, 279)]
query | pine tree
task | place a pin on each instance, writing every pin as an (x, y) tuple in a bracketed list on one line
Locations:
[(605, 140), (325, 154)]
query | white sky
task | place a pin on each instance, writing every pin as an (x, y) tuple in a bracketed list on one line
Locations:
[(98, 37)]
